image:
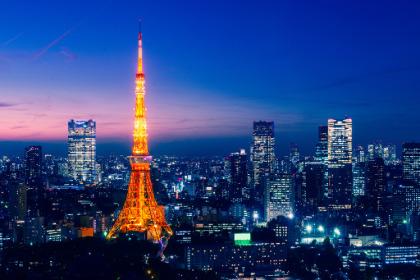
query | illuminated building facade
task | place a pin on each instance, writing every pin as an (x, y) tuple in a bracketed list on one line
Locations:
[(340, 163), (359, 179), (340, 142), (278, 197), (390, 154), (262, 155), (140, 213), (411, 162), (243, 258), (82, 151), (294, 154)]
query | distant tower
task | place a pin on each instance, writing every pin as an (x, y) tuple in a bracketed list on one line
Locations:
[(82, 151), (340, 141), (262, 155), (140, 212)]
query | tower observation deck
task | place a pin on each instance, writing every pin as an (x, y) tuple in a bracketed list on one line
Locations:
[(140, 212)]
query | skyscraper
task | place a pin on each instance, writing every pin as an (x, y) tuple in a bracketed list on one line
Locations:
[(339, 162), (82, 151), (411, 162), (375, 150), (33, 165), (33, 180), (375, 183), (313, 184), (321, 149), (340, 142), (278, 197), (294, 153), (390, 154), (262, 155), (238, 175), (359, 178)]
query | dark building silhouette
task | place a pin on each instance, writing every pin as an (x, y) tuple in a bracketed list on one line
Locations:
[(238, 175), (375, 183), (33, 166)]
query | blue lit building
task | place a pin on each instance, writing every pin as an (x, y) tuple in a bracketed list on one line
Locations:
[(82, 151)]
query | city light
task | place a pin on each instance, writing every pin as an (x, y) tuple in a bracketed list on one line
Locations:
[(290, 216), (337, 232), (321, 228), (308, 228)]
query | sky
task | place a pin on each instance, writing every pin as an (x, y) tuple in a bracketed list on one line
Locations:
[(212, 68)]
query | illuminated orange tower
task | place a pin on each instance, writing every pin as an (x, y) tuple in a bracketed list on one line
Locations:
[(140, 212)]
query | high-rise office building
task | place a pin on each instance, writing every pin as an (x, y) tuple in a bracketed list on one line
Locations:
[(33, 166), (237, 176), (321, 149), (375, 150), (359, 178), (278, 197), (33, 181), (390, 154), (340, 162), (262, 155), (313, 184), (359, 154), (340, 142), (411, 162), (294, 153), (82, 151), (375, 183)]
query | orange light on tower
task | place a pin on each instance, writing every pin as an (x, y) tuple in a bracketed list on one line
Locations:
[(140, 212)]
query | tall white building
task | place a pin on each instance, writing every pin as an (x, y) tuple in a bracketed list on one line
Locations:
[(340, 183), (262, 155), (278, 197), (340, 142), (82, 151)]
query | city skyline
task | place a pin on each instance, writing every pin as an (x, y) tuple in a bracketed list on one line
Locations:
[(77, 67)]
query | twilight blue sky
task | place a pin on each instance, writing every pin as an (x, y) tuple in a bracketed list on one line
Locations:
[(212, 67)]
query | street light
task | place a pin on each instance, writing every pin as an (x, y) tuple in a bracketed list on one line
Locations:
[(321, 228), (308, 228)]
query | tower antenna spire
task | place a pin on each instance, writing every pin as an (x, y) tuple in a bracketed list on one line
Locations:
[(141, 213)]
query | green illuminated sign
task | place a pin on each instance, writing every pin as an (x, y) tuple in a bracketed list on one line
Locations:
[(242, 239)]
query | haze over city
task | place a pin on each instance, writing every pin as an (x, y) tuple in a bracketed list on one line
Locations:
[(211, 70)]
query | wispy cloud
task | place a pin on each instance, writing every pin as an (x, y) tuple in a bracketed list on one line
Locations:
[(11, 40), (70, 56), (54, 42), (6, 104)]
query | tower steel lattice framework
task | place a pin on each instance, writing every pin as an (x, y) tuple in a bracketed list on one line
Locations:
[(140, 212)]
